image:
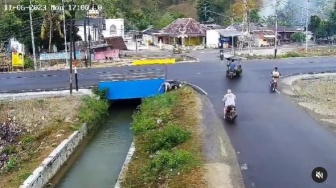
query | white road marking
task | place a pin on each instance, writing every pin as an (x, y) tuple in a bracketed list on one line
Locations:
[(223, 151), (277, 91)]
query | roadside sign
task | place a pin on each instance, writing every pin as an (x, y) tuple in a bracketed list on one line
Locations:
[(17, 59)]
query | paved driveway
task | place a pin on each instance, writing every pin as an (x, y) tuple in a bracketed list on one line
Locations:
[(279, 143)]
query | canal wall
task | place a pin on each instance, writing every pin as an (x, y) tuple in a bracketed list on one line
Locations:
[(124, 167), (55, 160)]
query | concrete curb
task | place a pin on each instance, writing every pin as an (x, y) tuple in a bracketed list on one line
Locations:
[(43, 94), (55, 160), (125, 166)]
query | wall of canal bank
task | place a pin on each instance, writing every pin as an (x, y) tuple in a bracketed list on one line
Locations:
[(98, 162)]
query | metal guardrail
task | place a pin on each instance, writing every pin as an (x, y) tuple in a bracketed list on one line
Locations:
[(138, 74)]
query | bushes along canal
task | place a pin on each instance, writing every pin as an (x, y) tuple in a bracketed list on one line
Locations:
[(168, 148), (33, 128)]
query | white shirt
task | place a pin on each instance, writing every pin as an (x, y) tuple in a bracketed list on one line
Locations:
[(276, 74), (229, 99)]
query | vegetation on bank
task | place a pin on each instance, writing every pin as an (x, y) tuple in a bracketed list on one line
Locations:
[(33, 128), (167, 142)]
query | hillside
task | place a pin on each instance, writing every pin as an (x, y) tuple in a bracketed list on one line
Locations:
[(188, 9)]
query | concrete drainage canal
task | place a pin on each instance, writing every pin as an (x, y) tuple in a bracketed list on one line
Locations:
[(99, 161)]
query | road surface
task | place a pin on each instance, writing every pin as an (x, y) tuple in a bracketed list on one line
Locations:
[(277, 141)]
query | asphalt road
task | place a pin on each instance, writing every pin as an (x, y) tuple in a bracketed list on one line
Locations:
[(279, 142)]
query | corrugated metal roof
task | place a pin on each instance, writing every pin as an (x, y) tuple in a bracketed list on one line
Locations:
[(228, 32)]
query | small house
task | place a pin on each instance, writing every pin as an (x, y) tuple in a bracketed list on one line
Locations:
[(149, 37), (263, 38), (183, 30)]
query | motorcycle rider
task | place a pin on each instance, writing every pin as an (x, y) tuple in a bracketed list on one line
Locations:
[(275, 75), (229, 99), (231, 65)]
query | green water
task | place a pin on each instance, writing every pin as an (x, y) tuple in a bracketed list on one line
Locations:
[(100, 162)]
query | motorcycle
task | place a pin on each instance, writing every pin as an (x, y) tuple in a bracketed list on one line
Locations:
[(177, 50), (274, 84), (231, 113), (221, 55)]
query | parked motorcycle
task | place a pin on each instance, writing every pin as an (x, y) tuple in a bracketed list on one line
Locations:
[(231, 113), (221, 54)]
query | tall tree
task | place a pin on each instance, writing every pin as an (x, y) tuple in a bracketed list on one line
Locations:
[(205, 10), (314, 23), (10, 26), (238, 8)]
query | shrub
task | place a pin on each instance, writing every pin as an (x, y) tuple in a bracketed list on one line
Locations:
[(101, 93), (166, 161), (9, 150), (292, 54), (167, 138), (12, 163), (28, 63), (93, 111), (152, 113), (142, 123)]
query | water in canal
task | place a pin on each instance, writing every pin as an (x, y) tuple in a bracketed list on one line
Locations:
[(100, 162)]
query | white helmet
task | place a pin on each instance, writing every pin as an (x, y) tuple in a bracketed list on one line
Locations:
[(229, 91)]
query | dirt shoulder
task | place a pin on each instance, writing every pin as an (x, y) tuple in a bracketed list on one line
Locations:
[(316, 94), (31, 129), (180, 142)]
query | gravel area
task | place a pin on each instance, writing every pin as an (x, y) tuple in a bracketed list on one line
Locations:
[(318, 96)]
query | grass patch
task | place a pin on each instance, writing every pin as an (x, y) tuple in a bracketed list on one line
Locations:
[(167, 142), (40, 126)]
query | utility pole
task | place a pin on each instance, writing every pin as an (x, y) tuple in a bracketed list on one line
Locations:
[(307, 14), (64, 33), (70, 51), (73, 12), (73, 15), (85, 40), (276, 29), (232, 45), (89, 40), (32, 35)]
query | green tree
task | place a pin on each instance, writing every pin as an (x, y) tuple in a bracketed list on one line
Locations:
[(298, 37), (323, 30), (254, 16), (332, 20), (10, 26), (205, 10), (37, 19), (314, 23), (166, 19)]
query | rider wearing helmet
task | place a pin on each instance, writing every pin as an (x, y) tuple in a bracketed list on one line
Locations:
[(229, 99), (275, 74)]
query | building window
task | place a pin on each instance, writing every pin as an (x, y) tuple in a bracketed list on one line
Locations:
[(113, 30)]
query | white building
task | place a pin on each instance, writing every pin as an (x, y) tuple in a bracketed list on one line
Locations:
[(114, 27), (216, 38), (149, 37), (98, 27)]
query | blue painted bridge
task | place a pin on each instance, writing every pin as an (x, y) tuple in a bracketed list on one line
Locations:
[(133, 84)]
